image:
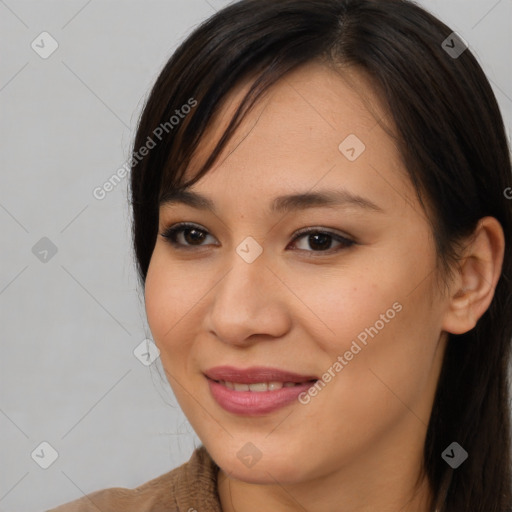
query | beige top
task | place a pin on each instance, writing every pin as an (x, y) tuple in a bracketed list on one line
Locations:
[(192, 487)]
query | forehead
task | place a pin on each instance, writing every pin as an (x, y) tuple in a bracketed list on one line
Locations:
[(315, 126)]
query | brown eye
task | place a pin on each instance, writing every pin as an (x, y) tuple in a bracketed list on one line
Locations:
[(185, 235), (193, 236), (321, 241)]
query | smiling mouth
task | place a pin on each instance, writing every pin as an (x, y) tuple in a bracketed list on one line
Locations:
[(257, 390), (259, 387)]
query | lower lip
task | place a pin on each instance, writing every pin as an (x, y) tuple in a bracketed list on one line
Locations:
[(254, 403)]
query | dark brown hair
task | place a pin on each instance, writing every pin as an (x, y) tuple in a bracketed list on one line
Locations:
[(452, 140)]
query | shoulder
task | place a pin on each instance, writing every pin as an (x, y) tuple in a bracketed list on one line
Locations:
[(192, 485)]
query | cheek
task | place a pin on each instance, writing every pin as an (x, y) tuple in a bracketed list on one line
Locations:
[(175, 298), (339, 305), (379, 320), (388, 357), (156, 297), (169, 296)]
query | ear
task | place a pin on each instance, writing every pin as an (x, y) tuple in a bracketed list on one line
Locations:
[(473, 288)]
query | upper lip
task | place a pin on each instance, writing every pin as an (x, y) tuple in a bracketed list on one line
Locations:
[(255, 374)]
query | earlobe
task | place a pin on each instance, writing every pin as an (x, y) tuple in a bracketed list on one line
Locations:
[(478, 274)]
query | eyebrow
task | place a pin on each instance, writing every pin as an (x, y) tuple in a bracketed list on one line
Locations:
[(285, 203)]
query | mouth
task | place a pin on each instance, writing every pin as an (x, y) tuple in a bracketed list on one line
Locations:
[(256, 375), (259, 387), (257, 390)]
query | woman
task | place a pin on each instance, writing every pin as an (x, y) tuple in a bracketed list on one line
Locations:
[(323, 232)]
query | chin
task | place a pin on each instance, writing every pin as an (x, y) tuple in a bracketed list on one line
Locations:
[(244, 464)]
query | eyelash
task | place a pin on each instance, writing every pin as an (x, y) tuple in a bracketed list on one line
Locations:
[(170, 235)]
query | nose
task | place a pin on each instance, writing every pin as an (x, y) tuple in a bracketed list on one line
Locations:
[(249, 304)]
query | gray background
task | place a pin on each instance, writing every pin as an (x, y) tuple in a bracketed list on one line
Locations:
[(70, 323)]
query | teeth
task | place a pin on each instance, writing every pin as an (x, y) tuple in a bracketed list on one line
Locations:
[(240, 387), (257, 386)]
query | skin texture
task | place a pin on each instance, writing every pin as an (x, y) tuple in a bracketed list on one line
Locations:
[(358, 444)]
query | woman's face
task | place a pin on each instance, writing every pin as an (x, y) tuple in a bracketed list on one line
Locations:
[(352, 303)]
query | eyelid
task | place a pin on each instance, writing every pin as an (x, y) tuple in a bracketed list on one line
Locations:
[(169, 232), (321, 229)]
